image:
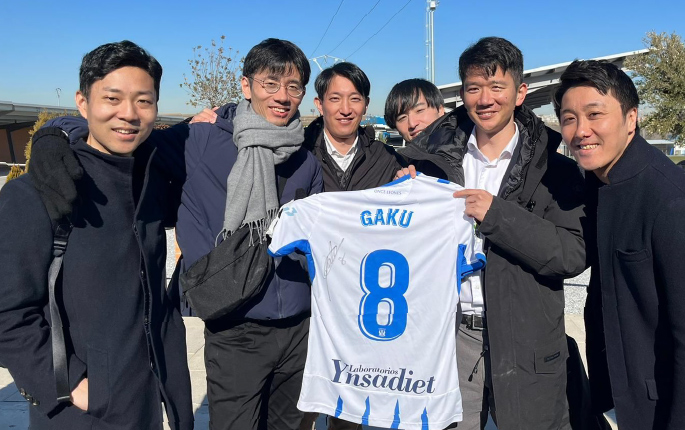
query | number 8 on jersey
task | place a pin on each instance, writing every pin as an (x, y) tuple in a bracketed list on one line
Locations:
[(383, 302)]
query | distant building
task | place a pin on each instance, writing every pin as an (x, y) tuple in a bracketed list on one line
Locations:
[(17, 119), (663, 145)]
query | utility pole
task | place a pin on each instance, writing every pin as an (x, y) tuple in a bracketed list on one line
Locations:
[(59, 92), (430, 42)]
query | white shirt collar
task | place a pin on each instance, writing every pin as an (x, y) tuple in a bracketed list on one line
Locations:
[(343, 161), (332, 151), (507, 152)]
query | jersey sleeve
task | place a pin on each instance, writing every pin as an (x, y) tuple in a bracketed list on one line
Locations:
[(471, 257), (294, 227)]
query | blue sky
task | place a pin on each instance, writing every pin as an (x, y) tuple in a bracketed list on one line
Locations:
[(43, 41)]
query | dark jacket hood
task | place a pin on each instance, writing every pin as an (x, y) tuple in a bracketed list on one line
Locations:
[(225, 115)]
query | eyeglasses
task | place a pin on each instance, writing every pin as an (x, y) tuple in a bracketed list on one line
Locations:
[(272, 87)]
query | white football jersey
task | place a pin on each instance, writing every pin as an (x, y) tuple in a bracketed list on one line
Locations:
[(386, 265)]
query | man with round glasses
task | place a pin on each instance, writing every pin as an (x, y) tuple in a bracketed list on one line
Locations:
[(294, 89)]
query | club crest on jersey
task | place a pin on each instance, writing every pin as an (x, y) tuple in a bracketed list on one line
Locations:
[(389, 216)]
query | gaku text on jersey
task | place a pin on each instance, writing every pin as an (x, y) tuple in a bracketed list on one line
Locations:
[(387, 216)]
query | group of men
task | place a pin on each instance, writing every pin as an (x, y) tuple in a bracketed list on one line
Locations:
[(541, 220)]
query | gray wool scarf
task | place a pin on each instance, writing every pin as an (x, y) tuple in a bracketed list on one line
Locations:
[(252, 198)]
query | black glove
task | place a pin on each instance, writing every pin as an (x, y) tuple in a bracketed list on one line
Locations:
[(54, 170)]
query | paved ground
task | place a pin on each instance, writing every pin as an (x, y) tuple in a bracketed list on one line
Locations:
[(14, 409)]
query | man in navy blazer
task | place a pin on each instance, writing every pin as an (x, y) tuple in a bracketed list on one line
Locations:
[(636, 201)]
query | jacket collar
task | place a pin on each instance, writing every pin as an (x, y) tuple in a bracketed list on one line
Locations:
[(635, 159), (114, 162)]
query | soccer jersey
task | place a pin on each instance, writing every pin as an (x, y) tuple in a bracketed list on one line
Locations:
[(386, 265)]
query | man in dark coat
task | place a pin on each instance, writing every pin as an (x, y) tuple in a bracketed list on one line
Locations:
[(125, 339), (256, 386), (527, 199), (636, 200)]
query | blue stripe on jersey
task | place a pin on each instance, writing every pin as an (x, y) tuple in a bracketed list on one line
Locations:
[(443, 181), (424, 420), (365, 417), (298, 245), (400, 180), (396, 420), (464, 268), (339, 407)]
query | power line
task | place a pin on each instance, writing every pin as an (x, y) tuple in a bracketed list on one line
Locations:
[(355, 27), (379, 30), (329, 26)]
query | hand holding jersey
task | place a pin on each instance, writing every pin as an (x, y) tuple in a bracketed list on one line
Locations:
[(380, 285), (476, 202)]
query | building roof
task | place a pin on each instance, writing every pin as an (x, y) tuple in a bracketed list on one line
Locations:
[(542, 82)]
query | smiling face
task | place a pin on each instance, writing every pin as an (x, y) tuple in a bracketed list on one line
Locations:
[(278, 108), (595, 129), (342, 109), (121, 110), (490, 101), (420, 116)]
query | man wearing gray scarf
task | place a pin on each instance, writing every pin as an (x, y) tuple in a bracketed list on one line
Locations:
[(255, 356)]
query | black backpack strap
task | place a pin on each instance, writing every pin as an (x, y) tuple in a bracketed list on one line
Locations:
[(59, 350), (281, 180)]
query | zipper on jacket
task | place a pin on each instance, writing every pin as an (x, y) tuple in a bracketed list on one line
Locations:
[(146, 304)]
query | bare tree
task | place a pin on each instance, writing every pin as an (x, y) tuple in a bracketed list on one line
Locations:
[(214, 75), (660, 84)]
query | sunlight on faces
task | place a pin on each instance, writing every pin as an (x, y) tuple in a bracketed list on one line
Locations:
[(420, 116), (342, 109), (278, 108), (121, 110), (594, 128), (490, 101)]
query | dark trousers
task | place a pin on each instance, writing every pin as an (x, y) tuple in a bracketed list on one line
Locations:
[(474, 379), (254, 373)]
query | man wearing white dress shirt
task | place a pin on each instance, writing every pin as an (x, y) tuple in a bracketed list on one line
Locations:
[(527, 201), (351, 157)]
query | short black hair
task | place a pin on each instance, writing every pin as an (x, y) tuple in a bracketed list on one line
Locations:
[(109, 57), (489, 54), (277, 57), (346, 70), (406, 94), (603, 76)]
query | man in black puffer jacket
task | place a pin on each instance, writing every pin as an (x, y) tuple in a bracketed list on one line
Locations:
[(528, 202)]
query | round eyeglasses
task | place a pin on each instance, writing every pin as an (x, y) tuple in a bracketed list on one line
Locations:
[(272, 87)]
